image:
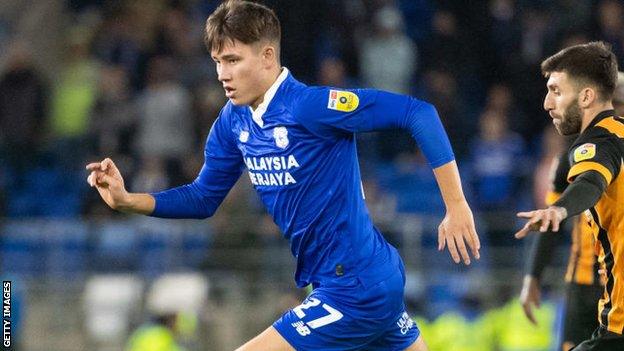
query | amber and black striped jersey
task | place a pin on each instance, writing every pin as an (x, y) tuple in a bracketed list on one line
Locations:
[(582, 265), (600, 148)]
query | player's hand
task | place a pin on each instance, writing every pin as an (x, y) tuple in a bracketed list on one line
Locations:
[(542, 220), (107, 179), (457, 229), (530, 297)]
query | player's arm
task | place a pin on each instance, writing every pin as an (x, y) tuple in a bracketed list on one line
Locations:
[(457, 227), (589, 177), (583, 193), (539, 257), (542, 246), (378, 110), (200, 199)]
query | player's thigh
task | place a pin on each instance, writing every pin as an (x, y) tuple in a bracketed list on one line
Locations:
[(418, 345), (268, 340)]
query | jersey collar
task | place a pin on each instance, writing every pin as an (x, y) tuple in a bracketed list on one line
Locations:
[(599, 117), (268, 96)]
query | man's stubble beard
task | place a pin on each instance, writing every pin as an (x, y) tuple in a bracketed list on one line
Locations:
[(571, 120)]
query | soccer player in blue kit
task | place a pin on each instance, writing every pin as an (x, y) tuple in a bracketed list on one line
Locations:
[(297, 144)]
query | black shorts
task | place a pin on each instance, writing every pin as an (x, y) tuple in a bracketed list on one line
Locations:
[(581, 312), (602, 340)]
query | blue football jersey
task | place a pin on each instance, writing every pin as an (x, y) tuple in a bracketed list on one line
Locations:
[(298, 148)]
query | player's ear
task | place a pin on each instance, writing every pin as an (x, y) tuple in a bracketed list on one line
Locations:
[(269, 53), (587, 96)]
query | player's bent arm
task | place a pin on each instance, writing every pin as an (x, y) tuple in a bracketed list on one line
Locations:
[(223, 165), (137, 203), (583, 193)]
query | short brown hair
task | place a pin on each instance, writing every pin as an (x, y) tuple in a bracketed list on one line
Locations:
[(245, 21), (592, 63)]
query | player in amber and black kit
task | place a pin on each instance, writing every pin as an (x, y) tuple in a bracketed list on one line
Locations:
[(581, 84), (583, 283)]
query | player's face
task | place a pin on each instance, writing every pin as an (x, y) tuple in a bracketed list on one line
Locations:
[(240, 68), (562, 104)]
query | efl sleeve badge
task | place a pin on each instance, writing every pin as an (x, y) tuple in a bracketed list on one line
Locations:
[(585, 152), (344, 101)]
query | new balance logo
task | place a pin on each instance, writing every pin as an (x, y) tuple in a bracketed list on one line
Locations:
[(301, 328), (405, 323)]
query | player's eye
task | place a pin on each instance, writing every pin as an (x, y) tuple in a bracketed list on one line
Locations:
[(232, 61)]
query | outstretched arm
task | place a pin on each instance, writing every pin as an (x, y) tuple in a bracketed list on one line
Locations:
[(582, 194)]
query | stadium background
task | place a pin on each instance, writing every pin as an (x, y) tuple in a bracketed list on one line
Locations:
[(80, 80)]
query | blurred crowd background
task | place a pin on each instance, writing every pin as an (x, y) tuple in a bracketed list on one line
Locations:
[(81, 80)]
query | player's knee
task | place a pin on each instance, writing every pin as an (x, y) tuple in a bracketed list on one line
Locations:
[(418, 345)]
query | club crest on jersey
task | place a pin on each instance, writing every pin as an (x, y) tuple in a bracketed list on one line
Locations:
[(281, 137), (244, 136), (585, 152), (344, 101)]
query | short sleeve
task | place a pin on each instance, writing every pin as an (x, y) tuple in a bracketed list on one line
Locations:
[(596, 150)]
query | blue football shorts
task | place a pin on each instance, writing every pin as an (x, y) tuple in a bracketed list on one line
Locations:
[(351, 317)]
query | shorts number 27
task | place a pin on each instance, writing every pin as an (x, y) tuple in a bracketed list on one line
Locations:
[(333, 316)]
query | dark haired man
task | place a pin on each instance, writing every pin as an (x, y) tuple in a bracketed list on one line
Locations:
[(581, 84), (584, 285), (298, 145)]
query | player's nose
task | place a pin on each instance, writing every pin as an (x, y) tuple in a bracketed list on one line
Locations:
[(223, 75), (548, 104)]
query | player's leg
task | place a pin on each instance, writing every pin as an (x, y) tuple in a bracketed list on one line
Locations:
[(268, 340), (418, 345), (580, 313)]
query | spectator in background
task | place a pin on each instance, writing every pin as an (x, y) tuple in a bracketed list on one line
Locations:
[(116, 43), (164, 128), (442, 90), (552, 146), (418, 15), (500, 98), (73, 99), (342, 33), (300, 40), (114, 113), (446, 51), (505, 30), (572, 13), (496, 172), (610, 18), (388, 40), (158, 335), (536, 32), (332, 72), (178, 36), (208, 102), (22, 110), (537, 35)]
